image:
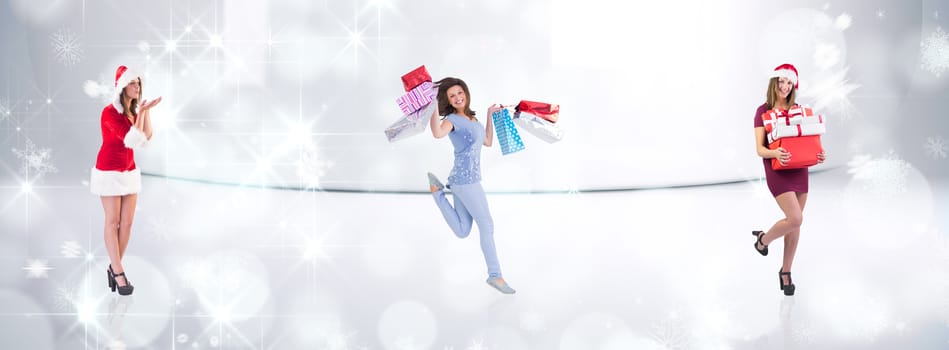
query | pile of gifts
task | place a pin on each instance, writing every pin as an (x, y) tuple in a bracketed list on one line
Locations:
[(798, 131), (417, 105), (419, 102)]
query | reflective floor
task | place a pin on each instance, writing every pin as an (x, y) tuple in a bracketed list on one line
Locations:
[(219, 267)]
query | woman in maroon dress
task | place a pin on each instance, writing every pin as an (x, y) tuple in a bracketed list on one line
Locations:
[(789, 186)]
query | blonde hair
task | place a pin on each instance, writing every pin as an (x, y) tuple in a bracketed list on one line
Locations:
[(773, 94)]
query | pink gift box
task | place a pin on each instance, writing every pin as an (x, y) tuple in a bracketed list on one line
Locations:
[(417, 97)]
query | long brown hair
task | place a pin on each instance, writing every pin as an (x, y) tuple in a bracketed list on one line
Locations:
[(131, 105), (773, 94), (444, 106)]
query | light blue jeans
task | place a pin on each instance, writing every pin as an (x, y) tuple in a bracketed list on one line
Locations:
[(471, 204)]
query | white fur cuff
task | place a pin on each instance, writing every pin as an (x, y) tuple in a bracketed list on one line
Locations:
[(135, 139)]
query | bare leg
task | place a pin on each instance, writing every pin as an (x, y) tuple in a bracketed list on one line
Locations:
[(125, 222), (788, 202), (791, 240), (112, 206)]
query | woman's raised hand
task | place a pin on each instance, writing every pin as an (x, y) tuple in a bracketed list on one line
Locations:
[(146, 105), (494, 108)]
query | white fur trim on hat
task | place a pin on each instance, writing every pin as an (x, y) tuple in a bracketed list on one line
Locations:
[(785, 73), (120, 83), (115, 183)]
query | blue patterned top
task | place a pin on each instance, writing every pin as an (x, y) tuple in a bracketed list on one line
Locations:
[(467, 137)]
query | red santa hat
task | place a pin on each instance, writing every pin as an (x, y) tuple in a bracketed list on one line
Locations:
[(123, 76), (787, 71)]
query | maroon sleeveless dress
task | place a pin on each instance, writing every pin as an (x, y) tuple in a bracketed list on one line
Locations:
[(780, 181)]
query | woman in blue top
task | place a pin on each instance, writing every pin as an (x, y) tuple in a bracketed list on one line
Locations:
[(470, 203)]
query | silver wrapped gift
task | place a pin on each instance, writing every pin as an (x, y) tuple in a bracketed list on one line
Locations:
[(411, 124), (538, 126)]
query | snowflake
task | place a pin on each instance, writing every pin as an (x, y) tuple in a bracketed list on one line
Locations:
[(66, 46), (158, 227), (311, 168), (671, 333), (36, 268), (934, 52), (885, 177), (65, 299), (831, 93), (70, 249), (477, 345), (181, 338), (4, 110), (881, 14), (936, 147), (803, 335), (35, 159), (843, 21)]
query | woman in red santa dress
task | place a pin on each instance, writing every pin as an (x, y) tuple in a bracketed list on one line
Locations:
[(126, 125), (788, 186)]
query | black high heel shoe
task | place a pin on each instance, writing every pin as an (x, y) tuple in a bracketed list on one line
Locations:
[(110, 278), (123, 290), (787, 288), (758, 234)]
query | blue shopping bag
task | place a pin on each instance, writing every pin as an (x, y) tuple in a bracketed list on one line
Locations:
[(506, 133)]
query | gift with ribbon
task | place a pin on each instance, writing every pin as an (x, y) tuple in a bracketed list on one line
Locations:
[(782, 131), (417, 98), (507, 135), (797, 121)]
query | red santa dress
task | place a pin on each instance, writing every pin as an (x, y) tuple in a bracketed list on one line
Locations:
[(115, 173)]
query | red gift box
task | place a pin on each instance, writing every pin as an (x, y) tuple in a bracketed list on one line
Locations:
[(544, 110), (415, 78), (803, 149)]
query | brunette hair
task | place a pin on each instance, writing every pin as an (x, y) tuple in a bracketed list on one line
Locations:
[(131, 106), (444, 106)]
